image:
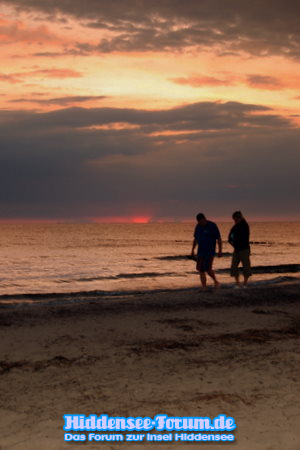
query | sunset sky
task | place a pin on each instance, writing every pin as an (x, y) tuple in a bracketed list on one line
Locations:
[(136, 110)]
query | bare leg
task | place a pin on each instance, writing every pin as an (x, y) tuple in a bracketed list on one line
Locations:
[(245, 280), (234, 267), (212, 275), (203, 280), (246, 266)]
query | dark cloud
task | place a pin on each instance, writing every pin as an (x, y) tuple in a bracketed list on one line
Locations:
[(65, 52), (46, 54), (264, 82), (60, 164), (198, 116), (267, 27), (62, 101)]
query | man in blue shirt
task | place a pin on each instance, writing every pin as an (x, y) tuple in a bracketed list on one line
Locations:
[(206, 236)]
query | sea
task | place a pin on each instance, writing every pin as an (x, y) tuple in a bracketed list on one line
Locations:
[(39, 260)]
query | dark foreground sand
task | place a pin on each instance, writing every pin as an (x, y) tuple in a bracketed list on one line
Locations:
[(179, 353)]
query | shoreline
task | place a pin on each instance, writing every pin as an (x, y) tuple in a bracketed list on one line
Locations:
[(34, 297), (180, 353)]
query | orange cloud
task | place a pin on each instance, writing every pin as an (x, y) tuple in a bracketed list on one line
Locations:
[(255, 81), (18, 31), (56, 73), (48, 73), (258, 81), (10, 78), (199, 81), (114, 126)]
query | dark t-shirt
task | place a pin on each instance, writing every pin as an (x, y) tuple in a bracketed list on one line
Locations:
[(206, 237), (239, 236)]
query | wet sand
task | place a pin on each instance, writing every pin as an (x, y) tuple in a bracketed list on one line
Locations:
[(180, 353)]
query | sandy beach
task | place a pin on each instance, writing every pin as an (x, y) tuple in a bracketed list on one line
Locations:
[(180, 353)]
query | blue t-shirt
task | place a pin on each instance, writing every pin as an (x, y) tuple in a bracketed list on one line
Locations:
[(206, 237)]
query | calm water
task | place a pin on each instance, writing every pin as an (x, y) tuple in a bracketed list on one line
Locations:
[(122, 257)]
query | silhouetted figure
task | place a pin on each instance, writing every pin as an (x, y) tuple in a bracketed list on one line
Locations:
[(239, 239), (205, 236)]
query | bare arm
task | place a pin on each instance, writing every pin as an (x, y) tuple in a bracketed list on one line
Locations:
[(193, 247), (220, 247)]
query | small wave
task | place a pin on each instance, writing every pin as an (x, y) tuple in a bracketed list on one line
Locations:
[(174, 258), (8, 300), (144, 275), (274, 281), (282, 268), (126, 276), (87, 279), (184, 257), (268, 243)]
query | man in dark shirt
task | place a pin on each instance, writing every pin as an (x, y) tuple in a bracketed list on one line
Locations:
[(239, 239), (205, 236)]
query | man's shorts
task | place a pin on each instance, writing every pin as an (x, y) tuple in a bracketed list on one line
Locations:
[(204, 263), (242, 256)]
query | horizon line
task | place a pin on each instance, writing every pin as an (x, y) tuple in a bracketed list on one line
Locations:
[(132, 221)]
